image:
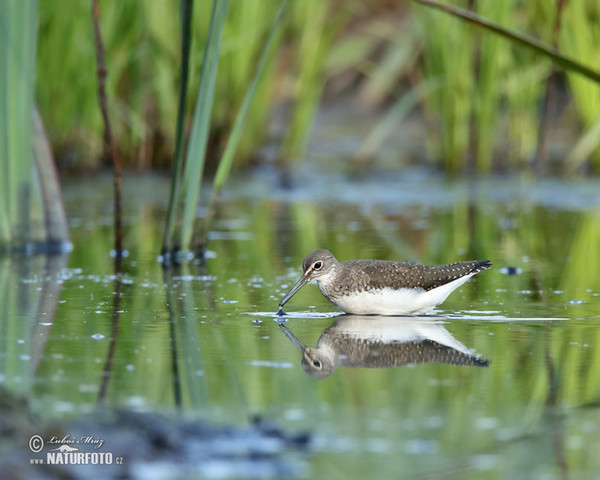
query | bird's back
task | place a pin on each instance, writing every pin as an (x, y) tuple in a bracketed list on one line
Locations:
[(378, 274)]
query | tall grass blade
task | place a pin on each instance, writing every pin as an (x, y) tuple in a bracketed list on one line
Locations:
[(580, 36), (57, 231), (320, 24), (384, 128), (525, 40), (452, 112), (196, 153), (187, 7), (226, 162), (549, 103), (18, 39), (584, 148), (491, 59), (5, 159)]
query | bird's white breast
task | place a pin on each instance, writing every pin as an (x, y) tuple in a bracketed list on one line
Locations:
[(404, 301)]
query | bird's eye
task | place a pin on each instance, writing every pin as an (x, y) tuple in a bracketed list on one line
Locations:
[(316, 364), (318, 265)]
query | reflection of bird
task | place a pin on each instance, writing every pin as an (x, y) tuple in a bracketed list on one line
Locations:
[(65, 449), (356, 341), (383, 287)]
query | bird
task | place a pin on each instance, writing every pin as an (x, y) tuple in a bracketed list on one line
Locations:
[(382, 287)]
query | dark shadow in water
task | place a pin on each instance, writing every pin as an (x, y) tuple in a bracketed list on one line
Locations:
[(554, 411), (186, 359), (49, 295), (167, 280), (357, 341), (114, 334)]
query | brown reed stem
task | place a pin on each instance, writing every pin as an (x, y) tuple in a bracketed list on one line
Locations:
[(109, 142)]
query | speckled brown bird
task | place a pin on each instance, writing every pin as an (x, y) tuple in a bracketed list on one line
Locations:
[(371, 287)]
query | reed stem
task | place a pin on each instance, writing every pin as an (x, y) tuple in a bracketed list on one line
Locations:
[(109, 142)]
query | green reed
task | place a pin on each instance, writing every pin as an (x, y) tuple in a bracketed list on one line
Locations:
[(492, 86), (581, 39), (187, 176), (32, 217), (226, 160), (196, 152), (312, 42), (141, 43), (178, 162), (481, 71), (452, 103), (18, 37), (491, 60)]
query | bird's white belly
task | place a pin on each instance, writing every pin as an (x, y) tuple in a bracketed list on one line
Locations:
[(404, 301)]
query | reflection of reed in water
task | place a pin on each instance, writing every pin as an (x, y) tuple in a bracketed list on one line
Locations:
[(356, 341)]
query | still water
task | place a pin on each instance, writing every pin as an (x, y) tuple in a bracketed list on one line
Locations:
[(502, 381)]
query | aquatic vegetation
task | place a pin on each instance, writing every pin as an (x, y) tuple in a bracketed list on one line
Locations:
[(110, 147), (31, 214), (142, 43), (187, 179), (490, 83), (469, 103), (580, 39), (17, 54)]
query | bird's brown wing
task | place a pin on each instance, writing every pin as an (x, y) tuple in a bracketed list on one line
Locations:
[(397, 275)]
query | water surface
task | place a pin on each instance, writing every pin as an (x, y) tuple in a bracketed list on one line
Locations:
[(204, 339)]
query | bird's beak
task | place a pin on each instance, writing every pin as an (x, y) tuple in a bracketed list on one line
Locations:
[(288, 333), (299, 284)]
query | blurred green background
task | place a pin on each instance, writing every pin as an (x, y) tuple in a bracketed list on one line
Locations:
[(477, 98)]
